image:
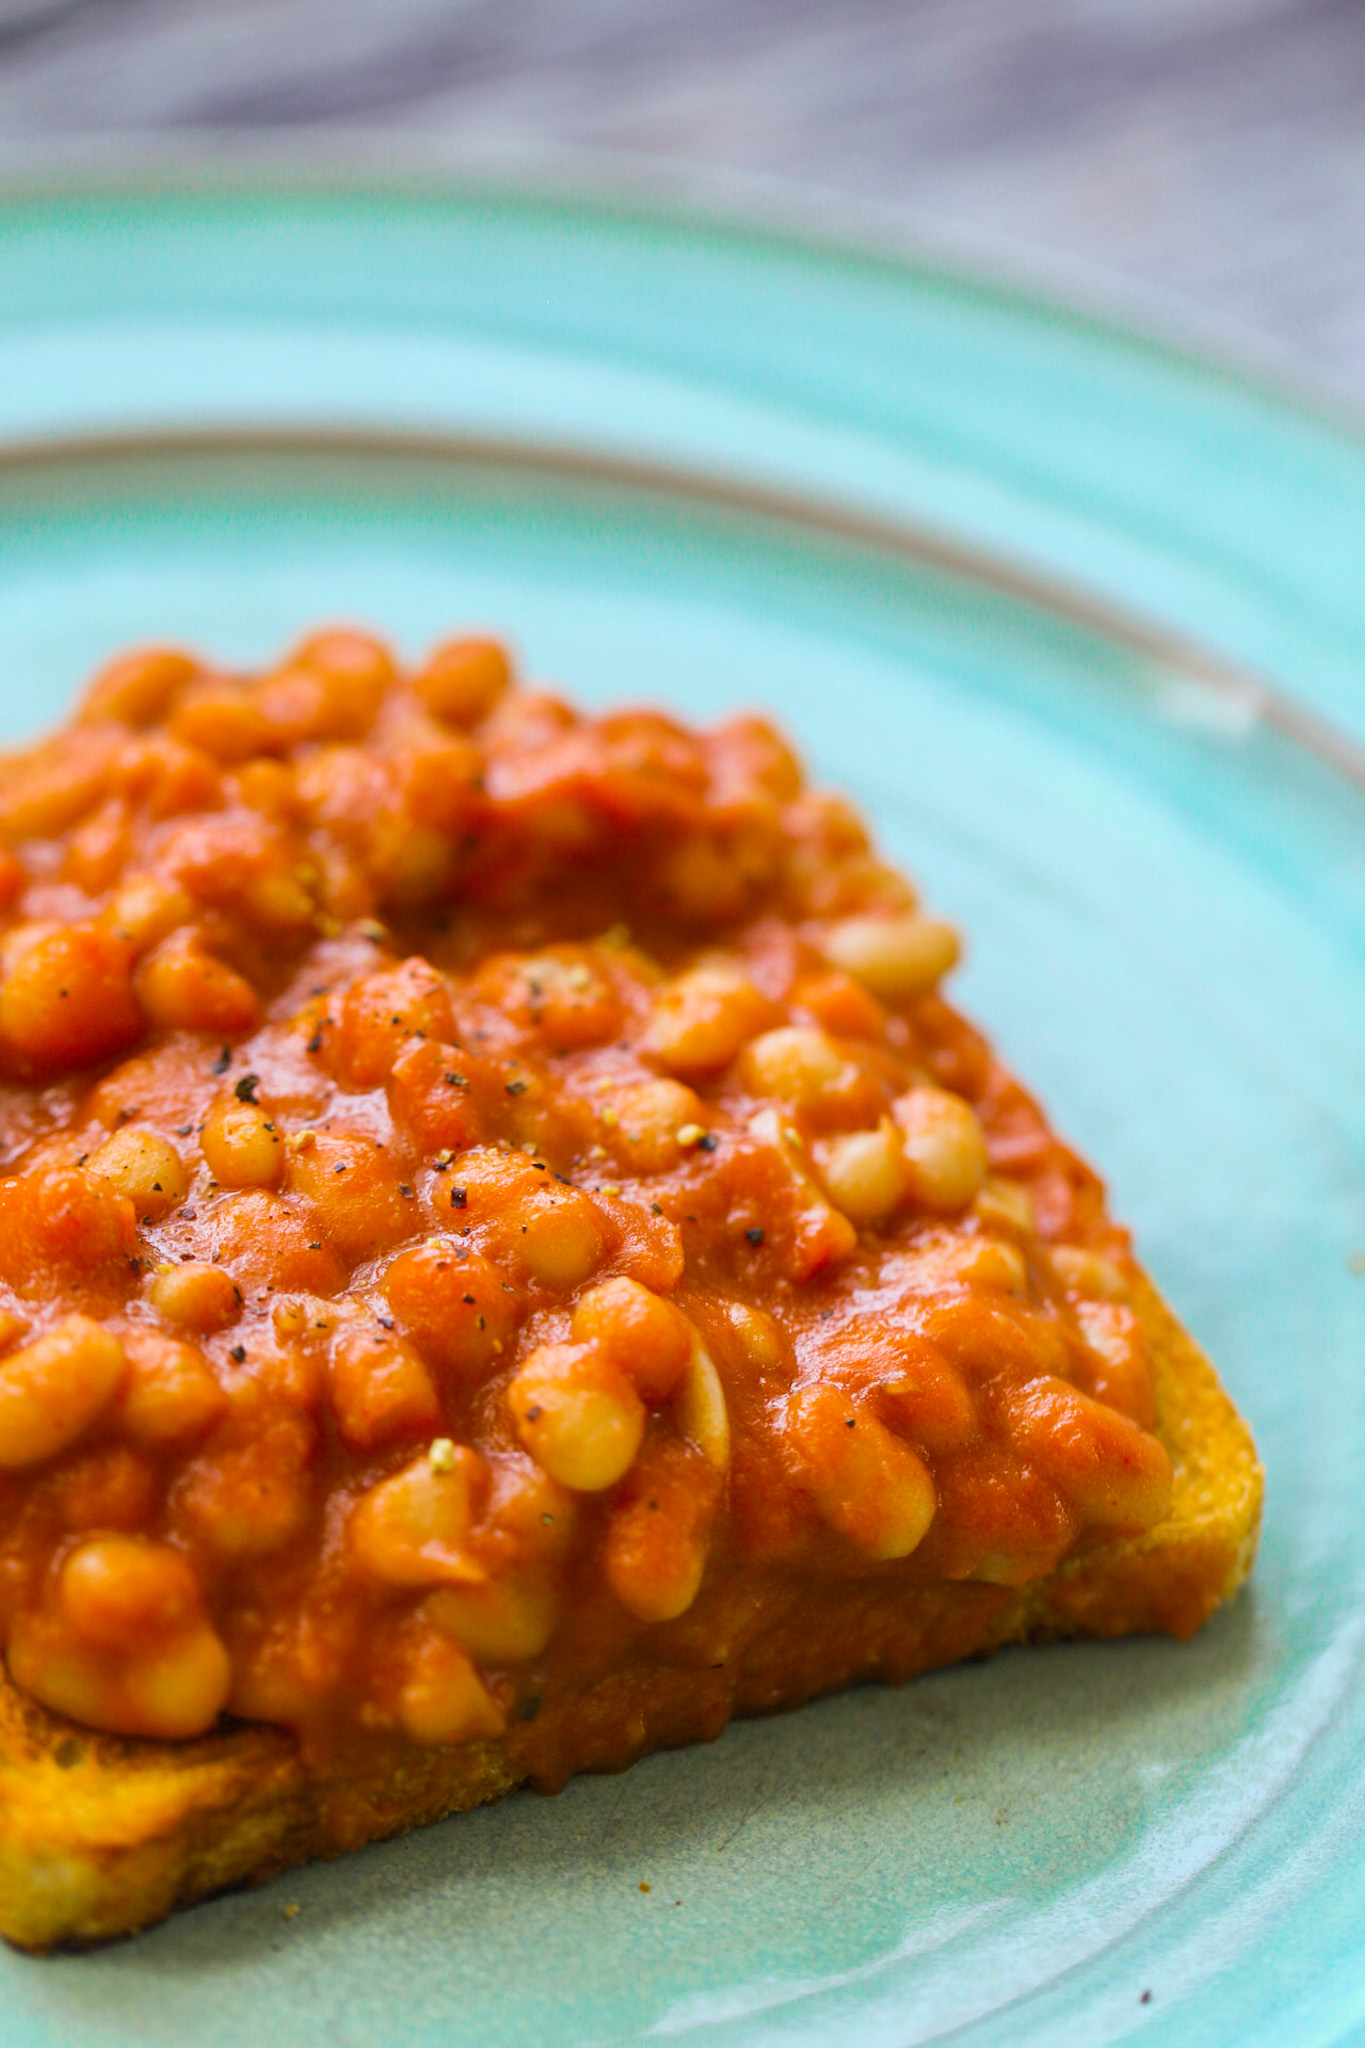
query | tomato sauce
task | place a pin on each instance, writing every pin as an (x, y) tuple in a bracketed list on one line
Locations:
[(492, 1193)]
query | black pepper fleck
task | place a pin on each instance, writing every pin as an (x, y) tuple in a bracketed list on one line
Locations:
[(238, 1354), (245, 1091), (754, 1236), (223, 1061)]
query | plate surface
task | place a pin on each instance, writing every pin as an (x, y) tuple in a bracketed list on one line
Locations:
[(1165, 895)]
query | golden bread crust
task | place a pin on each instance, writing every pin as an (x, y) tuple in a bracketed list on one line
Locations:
[(100, 1836)]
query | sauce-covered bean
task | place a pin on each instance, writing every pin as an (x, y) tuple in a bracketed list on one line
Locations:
[(480, 1180)]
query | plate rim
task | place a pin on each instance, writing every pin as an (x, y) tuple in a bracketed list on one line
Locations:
[(846, 236)]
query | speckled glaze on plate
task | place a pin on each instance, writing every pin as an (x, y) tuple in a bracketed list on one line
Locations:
[(966, 547)]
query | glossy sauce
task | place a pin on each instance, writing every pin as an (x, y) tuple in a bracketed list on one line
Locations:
[(493, 1195)]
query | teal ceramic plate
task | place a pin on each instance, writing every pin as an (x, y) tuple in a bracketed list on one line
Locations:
[(1005, 573)]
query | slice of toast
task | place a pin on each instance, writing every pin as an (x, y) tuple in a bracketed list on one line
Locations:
[(103, 1836), (367, 1232)]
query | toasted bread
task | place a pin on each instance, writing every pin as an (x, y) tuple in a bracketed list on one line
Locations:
[(102, 1836), (464, 1366)]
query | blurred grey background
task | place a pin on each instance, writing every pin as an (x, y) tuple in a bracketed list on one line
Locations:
[(1200, 162)]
